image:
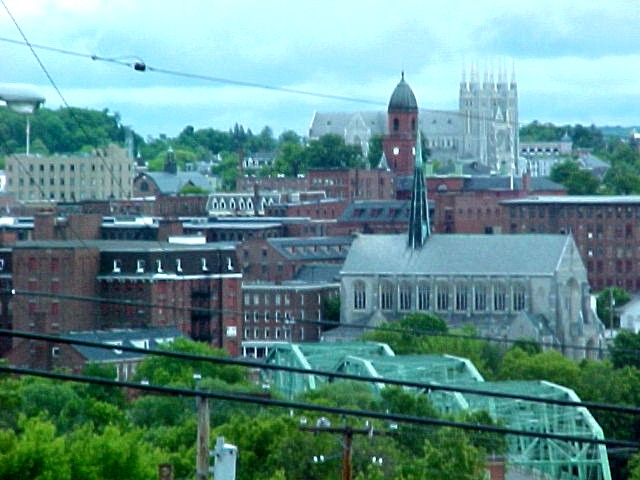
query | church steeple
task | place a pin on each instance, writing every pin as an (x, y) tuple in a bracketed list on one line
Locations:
[(419, 229)]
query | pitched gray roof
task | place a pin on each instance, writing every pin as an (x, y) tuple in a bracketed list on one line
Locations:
[(141, 338), (319, 272), (312, 248), (456, 255), (433, 123), (169, 183)]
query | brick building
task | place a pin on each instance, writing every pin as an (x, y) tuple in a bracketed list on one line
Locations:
[(353, 184), (279, 259), (287, 312), (472, 204), (82, 285), (606, 230)]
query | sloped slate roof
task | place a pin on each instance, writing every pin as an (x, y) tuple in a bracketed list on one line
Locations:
[(456, 255), (169, 183), (432, 122), (319, 272), (377, 210), (312, 248), (127, 338)]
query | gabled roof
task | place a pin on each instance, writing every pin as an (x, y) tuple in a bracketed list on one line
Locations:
[(169, 183), (506, 255)]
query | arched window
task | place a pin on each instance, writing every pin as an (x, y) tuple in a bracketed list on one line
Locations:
[(499, 298), (386, 295), (413, 124), (396, 124), (518, 297), (359, 295), (461, 298), (405, 296), (424, 296), (442, 297), (480, 298)]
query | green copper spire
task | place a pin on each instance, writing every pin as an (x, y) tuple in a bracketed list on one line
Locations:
[(419, 229)]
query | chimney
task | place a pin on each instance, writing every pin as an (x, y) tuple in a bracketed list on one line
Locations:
[(169, 227), (526, 181), (44, 223)]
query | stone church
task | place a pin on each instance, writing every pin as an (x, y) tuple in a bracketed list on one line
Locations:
[(506, 286), (484, 129)]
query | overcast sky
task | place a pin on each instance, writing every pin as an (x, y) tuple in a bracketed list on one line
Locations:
[(575, 61)]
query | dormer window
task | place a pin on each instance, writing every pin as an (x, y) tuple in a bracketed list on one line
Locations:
[(179, 265), (117, 266), (203, 263), (140, 266)]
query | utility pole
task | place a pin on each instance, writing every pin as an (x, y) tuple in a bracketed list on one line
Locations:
[(202, 446), (347, 433)]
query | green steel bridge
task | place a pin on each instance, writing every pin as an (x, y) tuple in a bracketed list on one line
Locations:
[(538, 457)]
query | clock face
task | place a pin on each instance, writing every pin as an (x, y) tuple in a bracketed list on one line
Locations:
[(396, 150)]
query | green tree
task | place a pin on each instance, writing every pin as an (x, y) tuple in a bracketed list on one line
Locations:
[(291, 160), (540, 132), (622, 179), (35, 452), (550, 365), (193, 190), (607, 302), (175, 371), (330, 151), (375, 150), (447, 455), (576, 180), (227, 170), (331, 308), (625, 350)]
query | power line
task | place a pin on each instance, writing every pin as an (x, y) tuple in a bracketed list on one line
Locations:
[(322, 323), (247, 398), (62, 98), (324, 373), (138, 64)]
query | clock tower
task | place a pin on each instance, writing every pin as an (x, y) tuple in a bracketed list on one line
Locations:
[(402, 124)]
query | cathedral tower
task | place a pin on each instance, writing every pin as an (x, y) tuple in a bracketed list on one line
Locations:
[(419, 228), (402, 122)]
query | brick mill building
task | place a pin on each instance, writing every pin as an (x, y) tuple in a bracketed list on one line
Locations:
[(606, 230), (83, 285)]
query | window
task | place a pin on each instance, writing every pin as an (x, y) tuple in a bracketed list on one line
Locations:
[(140, 266), (203, 264), (179, 265), (499, 298), (461, 298), (405, 296), (359, 296), (396, 124), (518, 298), (442, 297), (480, 298), (424, 297), (386, 295), (159, 266)]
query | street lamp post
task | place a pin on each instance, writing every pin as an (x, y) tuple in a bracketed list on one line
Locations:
[(22, 99)]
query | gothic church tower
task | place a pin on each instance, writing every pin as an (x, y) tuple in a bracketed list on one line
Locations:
[(489, 110)]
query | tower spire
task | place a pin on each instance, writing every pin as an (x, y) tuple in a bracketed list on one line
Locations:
[(419, 229)]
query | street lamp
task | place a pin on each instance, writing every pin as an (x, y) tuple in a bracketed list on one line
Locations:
[(22, 99)]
